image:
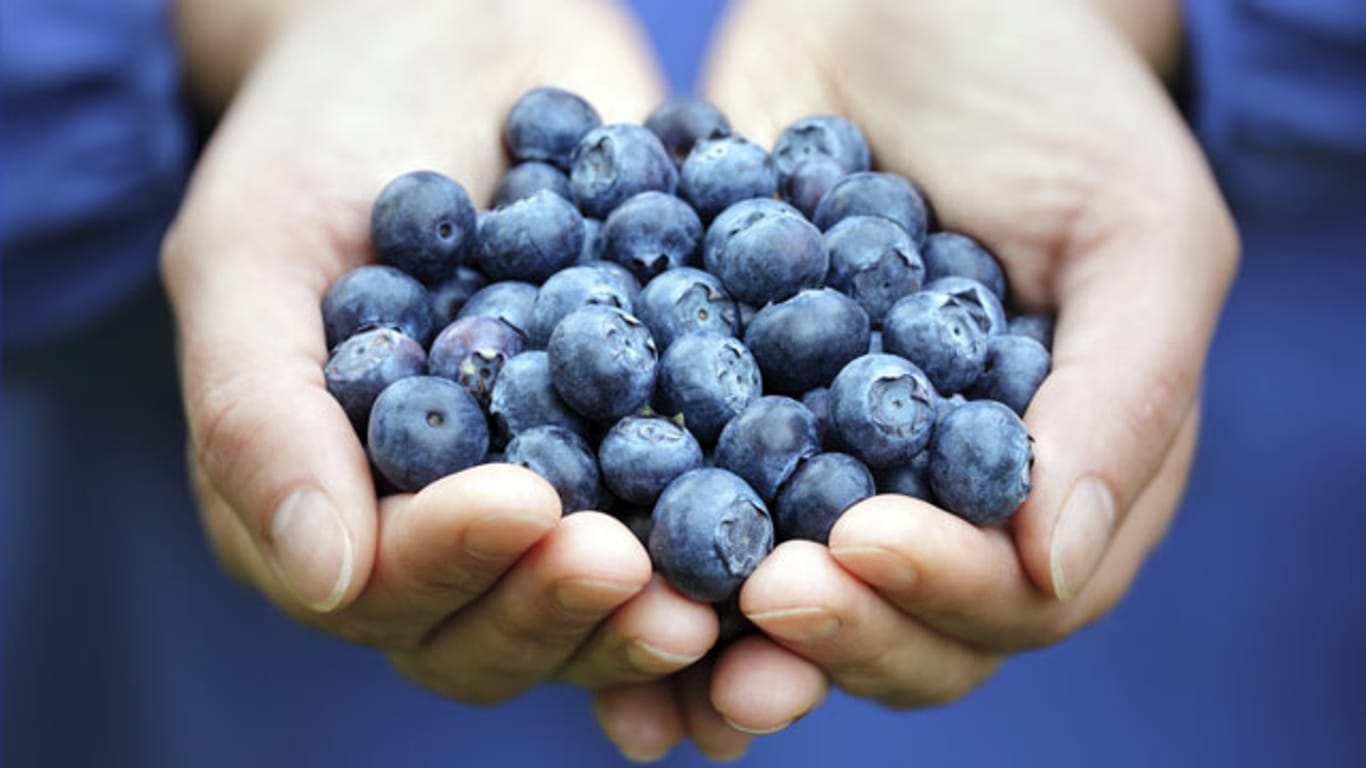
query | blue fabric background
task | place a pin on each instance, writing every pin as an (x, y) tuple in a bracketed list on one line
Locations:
[(1242, 643)]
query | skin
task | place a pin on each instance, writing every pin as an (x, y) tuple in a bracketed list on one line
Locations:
[(1101, 207)]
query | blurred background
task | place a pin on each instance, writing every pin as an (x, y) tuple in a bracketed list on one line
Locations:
[(1243, 641)]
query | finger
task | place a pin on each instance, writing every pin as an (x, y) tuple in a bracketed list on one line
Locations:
[(969, 582), (444, 547), (709, 731), (1138, 311), (656, 633), (760, 687), (801, 596), (641, 719), (537, 615)]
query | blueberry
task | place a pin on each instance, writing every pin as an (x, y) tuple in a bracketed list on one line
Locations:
[(616, 162), (1036, 327), (949, 254), (980, 460), (640, 455), (686, 300), (650, 233), (362, 366), (724, 171), (875, 343), (682, 122), (826, 135), (373, 296), (526, 179), (423, 223), (809, 180), (602, 362), (764, 251), (874, 261), (620, 276), (986, 308), (640, 520), (547, 124), (471, 351), (570, 289), (875, 194), (910, 479), (944, 405), (423, 428), (821, 489), (1015, 368), (818, 402), (804, 341), (530, 239), (563, 459), (883, 409), (510, 301), (939, 333), (709, 379), (710, 532), (766, 440), (747, 313), (449, 296), (592, 240), (524, 397)]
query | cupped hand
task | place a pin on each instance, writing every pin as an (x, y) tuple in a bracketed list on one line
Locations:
[(475, 586), (1038, 130)]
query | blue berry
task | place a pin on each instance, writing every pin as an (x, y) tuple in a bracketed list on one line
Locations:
[(827, 135), (524, 397), (640, 455), (530, 239), (1015, 368), (985, 307), (510, 301), (766, 440), (573, 288), (910, 479), (686, 300), (374, 296), (818, 402), (592, 240), (874, 261), (804, 341), (1036, 327), (640, 520), (709, 379), (564, 460), (882, 406), (614, 163), (423, 223), (764, 251), (810, 180), (652, 232), (547, 124), (423, 428), (875, 194), (602, 362), (949, 254), (980, 460), (822, 488), (682, 122), (362, 366), (526, 179), (875, 343), (471, 351), (449, 296), (939, 334), (710, 532), (724, 171)]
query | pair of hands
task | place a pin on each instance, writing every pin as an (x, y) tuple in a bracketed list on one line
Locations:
[(1038, 130)]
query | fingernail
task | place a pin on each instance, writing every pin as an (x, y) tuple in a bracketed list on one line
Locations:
[(648, 657), (758, 731), (880, 567), (1081, 536), (310, 550), (591, 598), (808, 624), (505, 534)]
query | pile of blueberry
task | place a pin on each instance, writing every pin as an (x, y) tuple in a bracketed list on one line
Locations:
[(723, 346)]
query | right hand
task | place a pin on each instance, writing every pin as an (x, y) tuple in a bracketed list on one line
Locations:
[(474, 586)]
